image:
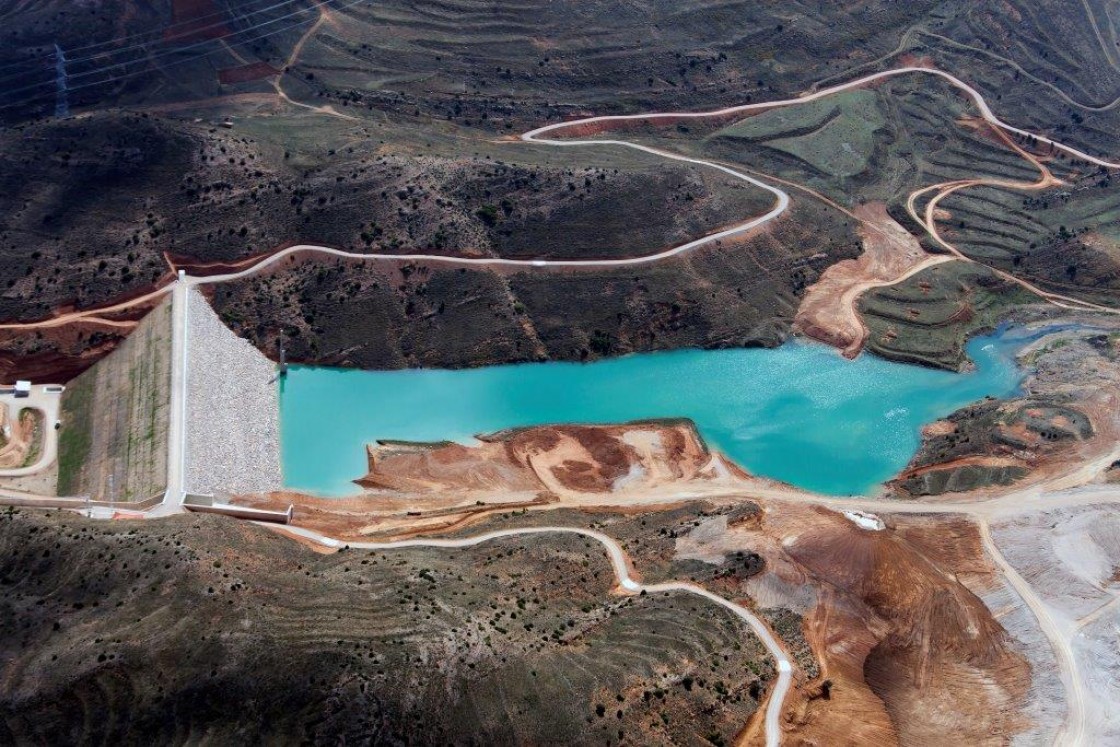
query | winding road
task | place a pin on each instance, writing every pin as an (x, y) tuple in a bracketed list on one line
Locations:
[(781, 200), (1074, 729), (981, 510), (621, 566)]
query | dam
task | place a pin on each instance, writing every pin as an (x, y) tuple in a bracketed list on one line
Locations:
[(798, 413)]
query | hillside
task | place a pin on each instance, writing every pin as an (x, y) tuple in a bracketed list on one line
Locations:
[(237, 634), (391, 128)]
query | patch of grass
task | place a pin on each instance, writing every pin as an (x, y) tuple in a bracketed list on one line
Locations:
[(834, 135), (75, 436)]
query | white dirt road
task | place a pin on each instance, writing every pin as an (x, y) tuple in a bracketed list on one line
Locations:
[(621, 564), (980, 509)]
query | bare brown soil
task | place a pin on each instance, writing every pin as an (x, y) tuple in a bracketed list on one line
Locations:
[(195, 268), (897, 641), (890, 253), (416, 489), (59, 349), (903, 645), (195, 20), (55, 355), (246, 73), (554, 459)]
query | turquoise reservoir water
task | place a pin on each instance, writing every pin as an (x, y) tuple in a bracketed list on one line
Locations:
[(799, 413)]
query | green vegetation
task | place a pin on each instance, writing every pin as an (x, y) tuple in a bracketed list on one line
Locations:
[(785, 120), (488, 214), (929, 317), (75, 435), (835, 135), (115, 418)]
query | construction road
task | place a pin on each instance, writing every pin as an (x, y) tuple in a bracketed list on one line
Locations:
[(626, 582), (1053, 495)]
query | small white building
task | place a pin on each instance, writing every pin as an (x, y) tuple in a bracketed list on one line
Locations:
[(23, 388)]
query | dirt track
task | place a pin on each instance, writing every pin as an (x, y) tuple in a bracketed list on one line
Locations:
[(890, 255), (1030, 499), (622, 566), (781, 204), (1073, 731)]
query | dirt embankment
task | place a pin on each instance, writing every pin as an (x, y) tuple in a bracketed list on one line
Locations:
[(561, 460), (428, 487), (113, 440), (902, 641), (59, 354), (890, 253)]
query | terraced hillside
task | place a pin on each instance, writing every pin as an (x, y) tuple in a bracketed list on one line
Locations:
[(1066, 240), (238, 634), (1048, 65), (880, 142), (470, 62), (390, 127), (929, 317), (464, 59), (1026, 210), (138, 139), (239, 195), (1066, 415)]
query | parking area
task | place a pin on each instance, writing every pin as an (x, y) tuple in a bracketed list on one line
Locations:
[(29, 423)]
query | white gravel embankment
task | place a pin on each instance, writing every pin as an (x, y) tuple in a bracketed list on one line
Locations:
[(233, 409)]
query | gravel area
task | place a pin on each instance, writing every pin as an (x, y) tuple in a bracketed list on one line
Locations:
[(233, 409)]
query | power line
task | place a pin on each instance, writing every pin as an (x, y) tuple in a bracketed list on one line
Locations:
[(168, 53), (193, 58), (176, 50), (157, 34)]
